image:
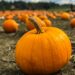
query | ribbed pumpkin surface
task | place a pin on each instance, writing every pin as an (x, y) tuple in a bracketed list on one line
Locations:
[(43, 53)]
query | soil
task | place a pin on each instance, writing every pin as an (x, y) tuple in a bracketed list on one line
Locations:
[(7, 53)]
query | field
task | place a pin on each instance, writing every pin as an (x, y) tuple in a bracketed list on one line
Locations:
[(7, 49)]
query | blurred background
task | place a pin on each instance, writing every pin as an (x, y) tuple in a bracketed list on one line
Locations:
[(36, 4)]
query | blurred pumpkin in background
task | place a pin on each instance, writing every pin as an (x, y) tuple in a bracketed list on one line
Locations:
[(47, 22), (11, 16), (10, 26), (72, 22), (65, 16)]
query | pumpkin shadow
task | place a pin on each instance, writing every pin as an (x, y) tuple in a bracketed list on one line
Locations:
[(57, 73)]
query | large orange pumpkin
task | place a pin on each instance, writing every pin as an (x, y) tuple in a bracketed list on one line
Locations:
[(44, 52), (10, 26)]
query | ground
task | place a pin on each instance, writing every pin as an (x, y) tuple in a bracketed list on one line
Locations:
[(7, 51)]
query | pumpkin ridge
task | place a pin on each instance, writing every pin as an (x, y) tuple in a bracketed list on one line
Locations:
[(17, 48), (54, 35), (66, 45), (54, 41), (63, 44), (30, 59), (51, 49), (42, 53), (48, 50), (32, 49)]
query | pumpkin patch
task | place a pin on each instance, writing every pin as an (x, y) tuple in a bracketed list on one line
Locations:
[(40, 42)]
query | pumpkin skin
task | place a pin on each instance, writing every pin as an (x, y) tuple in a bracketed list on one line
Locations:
[(72, 23), (10, 26), (43, 53)]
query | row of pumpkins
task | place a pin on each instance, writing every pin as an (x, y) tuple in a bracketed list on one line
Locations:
[(41, 16), (44, 49)]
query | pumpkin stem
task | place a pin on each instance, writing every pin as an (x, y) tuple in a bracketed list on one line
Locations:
[(37, 26)]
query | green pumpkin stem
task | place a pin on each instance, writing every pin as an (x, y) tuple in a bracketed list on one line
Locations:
[(37, 26)]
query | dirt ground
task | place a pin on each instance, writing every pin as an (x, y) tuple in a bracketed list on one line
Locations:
[(7, 56)]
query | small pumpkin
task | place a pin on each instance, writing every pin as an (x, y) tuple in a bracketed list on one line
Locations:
[(45, 19), (39, 21), (43, 51), (47, 22), (42, 17), (30, 24), (65, 16), (9, 16), (51, 15), (72, 22), (10, 26)]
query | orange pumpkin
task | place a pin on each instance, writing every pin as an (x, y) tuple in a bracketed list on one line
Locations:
[(39, 21), (43, 51), (65, 16), (42, 17), (30, 24), (48, 22), (9, 16), (19, 17), (72, 23), (51, 15), (10, 26), (23, 17)]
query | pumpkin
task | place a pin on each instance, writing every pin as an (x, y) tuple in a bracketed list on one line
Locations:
[(23, 17), (42, 51), (10, 26), (30, 24), (39, 21), (51, 15), (72, 22), (42, 17), (47, 22), (65, 16), (9, 16), (19, 16)]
